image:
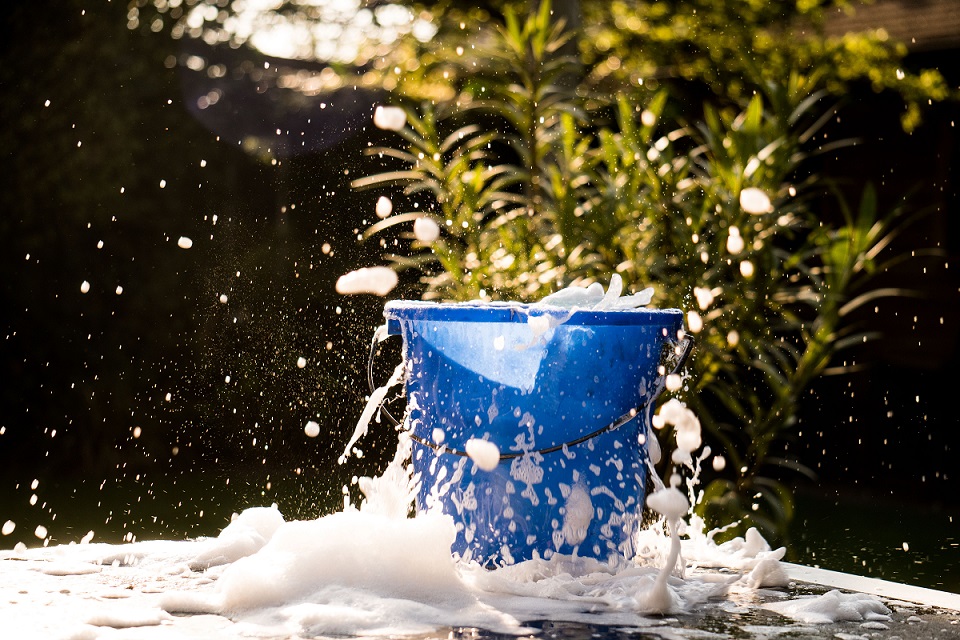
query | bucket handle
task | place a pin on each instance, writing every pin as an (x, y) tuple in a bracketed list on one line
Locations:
[(682, 349)]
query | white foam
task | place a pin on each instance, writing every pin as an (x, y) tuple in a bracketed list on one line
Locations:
[(612, 296), (485, 454), (704, 297), (686, 428), (373, 404), (246, 535), (672, 504), (575, 296), (593, 297), (349, 550), (384, 207), (426, 230), (735, 242), (833, 606), (125, 617), (70, 568), (376, 280), (577, 515), (389, 118)]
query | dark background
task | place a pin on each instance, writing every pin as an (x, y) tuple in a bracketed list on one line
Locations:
[(84, 373), (117, 406)]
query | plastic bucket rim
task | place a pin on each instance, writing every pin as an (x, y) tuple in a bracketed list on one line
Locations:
[(517, 312)]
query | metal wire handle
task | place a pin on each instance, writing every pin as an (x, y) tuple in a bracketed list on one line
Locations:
[(683, 349)]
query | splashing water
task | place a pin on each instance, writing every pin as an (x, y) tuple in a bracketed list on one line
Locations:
[(657, 592), (372, 569)]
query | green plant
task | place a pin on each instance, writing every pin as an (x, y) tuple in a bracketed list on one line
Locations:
[(538, 184), (728, 49)]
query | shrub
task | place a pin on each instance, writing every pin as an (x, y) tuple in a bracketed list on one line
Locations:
[(537, 182)]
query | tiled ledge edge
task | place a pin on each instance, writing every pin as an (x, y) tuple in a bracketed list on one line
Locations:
[(874, 586)]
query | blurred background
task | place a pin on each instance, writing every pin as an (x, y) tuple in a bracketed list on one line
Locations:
[(176, 209)]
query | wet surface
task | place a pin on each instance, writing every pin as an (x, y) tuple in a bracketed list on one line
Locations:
[(32, 592), (749, 621)]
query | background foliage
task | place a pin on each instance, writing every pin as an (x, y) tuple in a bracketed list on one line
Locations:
[(546, 168)]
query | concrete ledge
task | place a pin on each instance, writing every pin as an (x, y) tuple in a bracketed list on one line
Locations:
[(874, 586)]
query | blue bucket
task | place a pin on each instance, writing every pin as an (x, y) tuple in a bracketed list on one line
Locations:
[(565, 396)]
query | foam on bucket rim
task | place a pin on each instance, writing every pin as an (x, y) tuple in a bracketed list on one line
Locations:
[(520, 312)]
